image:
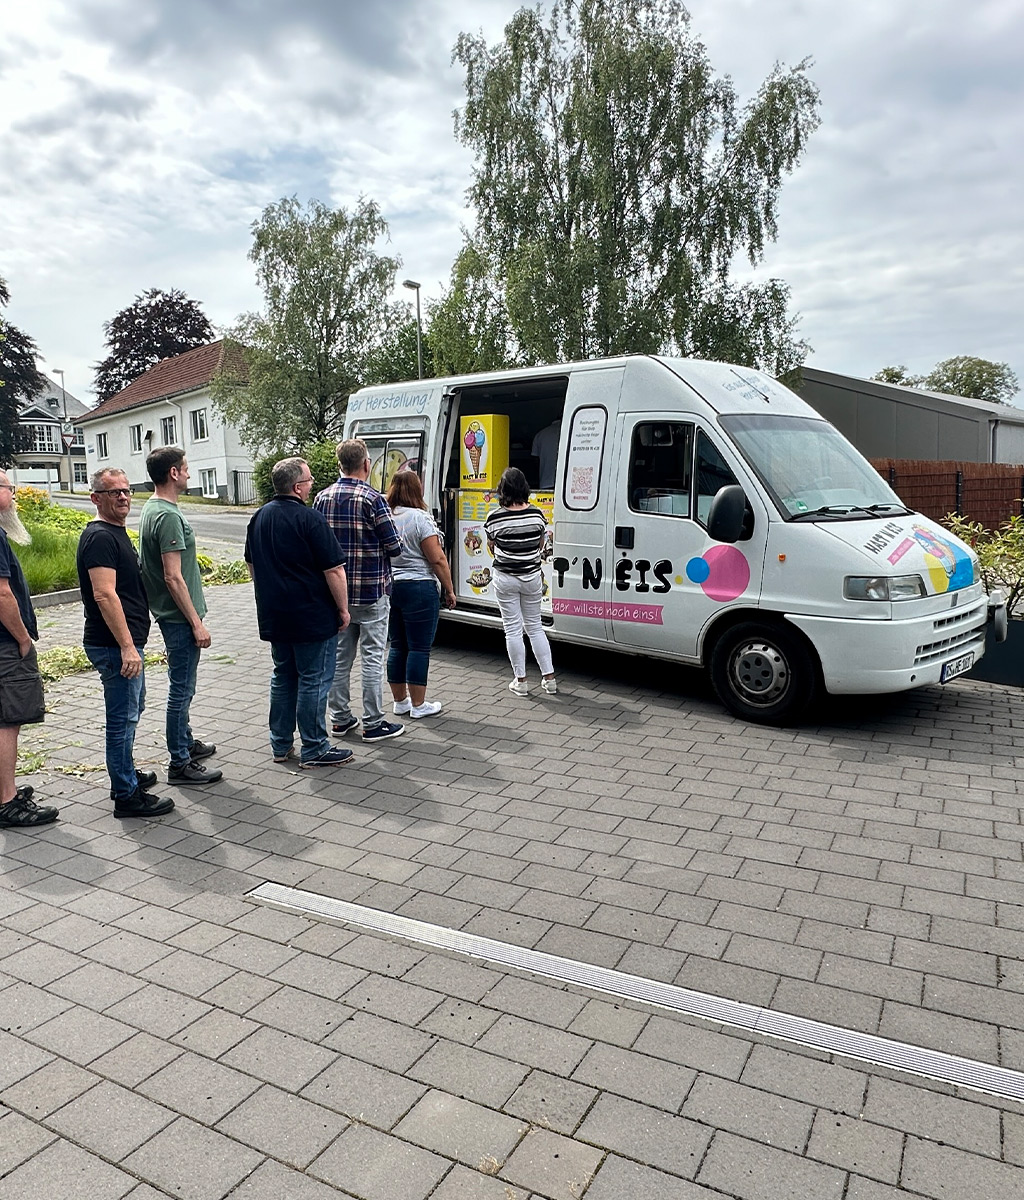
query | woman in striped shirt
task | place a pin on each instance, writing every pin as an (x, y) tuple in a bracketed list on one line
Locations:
[(515, 534)]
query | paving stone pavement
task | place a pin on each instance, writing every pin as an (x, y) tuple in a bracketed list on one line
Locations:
[(163, 1035)]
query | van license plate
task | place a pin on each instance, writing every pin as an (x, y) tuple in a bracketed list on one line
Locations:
[(956, 666)]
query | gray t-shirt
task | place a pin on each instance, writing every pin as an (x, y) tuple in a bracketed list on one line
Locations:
[(414, 524)]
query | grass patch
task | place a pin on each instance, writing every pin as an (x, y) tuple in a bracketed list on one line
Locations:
[(49, 562)]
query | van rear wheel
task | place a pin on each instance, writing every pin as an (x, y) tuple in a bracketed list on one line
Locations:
[(763, 673)]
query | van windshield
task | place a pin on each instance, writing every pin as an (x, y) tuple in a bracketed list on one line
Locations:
[(810, 470)]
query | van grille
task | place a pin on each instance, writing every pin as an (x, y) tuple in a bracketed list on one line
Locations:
[(956, 632)]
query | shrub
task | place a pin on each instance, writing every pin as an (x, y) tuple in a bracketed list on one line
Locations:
[(1000, 554), (37, 509), (323, 466), (204, 562)]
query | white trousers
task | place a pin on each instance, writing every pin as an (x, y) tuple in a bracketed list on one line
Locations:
[(518, 599)]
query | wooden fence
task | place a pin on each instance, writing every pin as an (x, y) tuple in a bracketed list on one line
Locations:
[(987, 492)]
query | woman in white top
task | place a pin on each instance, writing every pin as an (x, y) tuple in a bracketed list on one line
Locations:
[(419, 572)]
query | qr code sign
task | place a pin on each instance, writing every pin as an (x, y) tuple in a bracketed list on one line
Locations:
[(582, 481)]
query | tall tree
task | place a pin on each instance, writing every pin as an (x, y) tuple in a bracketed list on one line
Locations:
[(395, 359), (20, 379), (616, 182), (326, 313), (898, 375), (469, 325), (978, 378), (962, 375), (155, 325)]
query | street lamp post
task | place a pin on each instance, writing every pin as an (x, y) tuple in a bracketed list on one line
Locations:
[(413, 286), (66, 430)]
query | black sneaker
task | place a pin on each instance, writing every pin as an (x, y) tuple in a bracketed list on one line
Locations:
[(22, 812), (142, 804), (147, 779), (193, 772), (335, 757), (25, 792), (386, 729), (340, 728), (200, 750)]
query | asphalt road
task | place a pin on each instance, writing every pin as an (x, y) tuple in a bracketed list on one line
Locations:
[(220, 532)]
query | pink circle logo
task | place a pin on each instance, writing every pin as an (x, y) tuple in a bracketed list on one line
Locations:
[(723, 573)]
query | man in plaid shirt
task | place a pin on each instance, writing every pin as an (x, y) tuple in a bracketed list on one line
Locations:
[(365, 529)]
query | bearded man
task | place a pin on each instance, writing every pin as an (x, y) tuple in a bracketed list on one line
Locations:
[(21, 685)]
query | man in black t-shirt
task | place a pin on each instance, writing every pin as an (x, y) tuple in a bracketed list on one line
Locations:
[(116, 629), (21, 685), (301, 605)]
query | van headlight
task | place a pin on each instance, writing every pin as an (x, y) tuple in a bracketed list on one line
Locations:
[(883, 587)]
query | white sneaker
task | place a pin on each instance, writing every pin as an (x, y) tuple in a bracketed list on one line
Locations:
[(549, 685), (402, 708), (429, 708), (518, 689)]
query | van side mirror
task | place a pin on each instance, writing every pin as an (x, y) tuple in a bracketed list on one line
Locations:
[(730, 518)]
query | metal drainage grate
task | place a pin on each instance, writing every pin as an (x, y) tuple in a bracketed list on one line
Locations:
[(832, 1039)]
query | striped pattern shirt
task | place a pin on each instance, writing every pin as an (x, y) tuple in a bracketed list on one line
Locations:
[(518, 535)]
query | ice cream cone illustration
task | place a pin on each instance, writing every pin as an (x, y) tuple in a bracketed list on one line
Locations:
[(474, 441)]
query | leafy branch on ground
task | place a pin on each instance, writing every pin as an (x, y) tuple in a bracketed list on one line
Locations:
[(61, 661), (1000, 554), (232, 572)]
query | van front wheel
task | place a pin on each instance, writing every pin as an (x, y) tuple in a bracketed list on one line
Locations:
[(763, 673)]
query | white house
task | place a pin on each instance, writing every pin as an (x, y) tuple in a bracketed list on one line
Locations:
[(170, 405), (54, 454)]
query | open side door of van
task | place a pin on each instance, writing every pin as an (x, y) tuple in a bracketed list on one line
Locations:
[(581, 568)]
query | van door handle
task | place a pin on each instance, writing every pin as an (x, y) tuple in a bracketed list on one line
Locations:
[(624, 535)]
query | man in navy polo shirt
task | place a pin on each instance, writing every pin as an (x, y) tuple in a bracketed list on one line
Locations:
[(301, 607)]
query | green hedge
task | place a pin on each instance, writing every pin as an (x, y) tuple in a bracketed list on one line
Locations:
[(323, 466)]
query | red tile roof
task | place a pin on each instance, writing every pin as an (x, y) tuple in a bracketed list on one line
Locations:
[(170, 377)]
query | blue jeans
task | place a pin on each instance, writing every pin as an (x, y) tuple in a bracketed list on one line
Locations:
[(124, 700), (368, 629), (298, 695), (415, 606), (182, 665)]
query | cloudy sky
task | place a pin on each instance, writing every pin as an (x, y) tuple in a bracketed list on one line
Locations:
[(139, 139)]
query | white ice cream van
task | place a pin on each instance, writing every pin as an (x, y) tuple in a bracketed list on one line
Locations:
[(700, 513)]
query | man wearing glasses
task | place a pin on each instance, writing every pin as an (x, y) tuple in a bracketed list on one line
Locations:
[(116, 630), (21, 685), (301, 606)]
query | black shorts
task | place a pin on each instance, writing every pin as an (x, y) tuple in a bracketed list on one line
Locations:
[(21, 687)]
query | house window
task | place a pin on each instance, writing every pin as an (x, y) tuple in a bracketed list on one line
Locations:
[(209, 481), (101, 445), (43, 439), (199, 430), (135, 436), (81, 472), (168, 431), (79, 438)]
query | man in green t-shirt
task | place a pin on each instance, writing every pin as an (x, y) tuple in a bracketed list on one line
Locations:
[(167, 548)]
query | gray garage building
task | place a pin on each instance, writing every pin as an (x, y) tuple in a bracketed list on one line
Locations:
[(886, 421)]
